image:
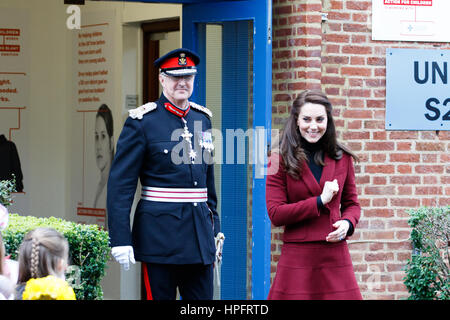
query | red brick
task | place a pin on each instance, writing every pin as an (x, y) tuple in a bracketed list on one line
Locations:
[(379, 213), (430, 180), (404, 157), (335, 60), (430, 146), (356, 135), (334, 26), (376, 61), (373, 124), (282, 97), (404, 169), (379, 180), (379, 202), (360, 17), (402, 190), (382, 168), (282, 10), (420, 190), (405, 202), (404, 146), (359, 114), (379, 190), (378, 157), (429, 169), (358, 5), (354, 124), (358, 38), (336, 5), (356, 71), (355, 103), (355, 27), (307, 7), (356, 50), (403, 135), (340, 38), (379, 135), (336, 15), (309, 31), (380, 256), (427, 158), (378, 235), (404, 180), (380, 146), (357, 61), (365, 93)]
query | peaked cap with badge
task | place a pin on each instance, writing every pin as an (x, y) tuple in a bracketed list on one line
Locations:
[(169, 150), (179, 62)]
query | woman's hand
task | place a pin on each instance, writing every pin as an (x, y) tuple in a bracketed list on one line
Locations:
[(340, 233), (330, 188)]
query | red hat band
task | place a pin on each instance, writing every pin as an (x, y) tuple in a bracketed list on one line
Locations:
[(177, 62)]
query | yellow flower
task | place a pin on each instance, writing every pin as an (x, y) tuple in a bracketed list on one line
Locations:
[(48, 288)]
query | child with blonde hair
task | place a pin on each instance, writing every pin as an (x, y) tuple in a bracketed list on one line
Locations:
[(43, 257)]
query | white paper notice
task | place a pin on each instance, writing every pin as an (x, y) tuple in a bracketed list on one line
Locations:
[(411, 20)]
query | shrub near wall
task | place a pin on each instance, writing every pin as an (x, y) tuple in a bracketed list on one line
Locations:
[(88, 250), (427, 272)]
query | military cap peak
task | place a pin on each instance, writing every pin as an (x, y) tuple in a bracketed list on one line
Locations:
[(178, 62)]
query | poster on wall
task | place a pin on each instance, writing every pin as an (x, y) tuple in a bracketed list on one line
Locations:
[(14, 101), (411, 20), (92, 126), (417, 89)]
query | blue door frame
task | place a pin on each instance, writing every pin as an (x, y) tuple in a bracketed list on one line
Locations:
[(260, 12), (197, 12)]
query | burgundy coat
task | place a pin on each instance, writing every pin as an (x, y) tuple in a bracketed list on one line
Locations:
[(293, 203)]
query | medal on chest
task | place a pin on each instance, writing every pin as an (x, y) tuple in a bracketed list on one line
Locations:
[(186, 135), (205, 141)]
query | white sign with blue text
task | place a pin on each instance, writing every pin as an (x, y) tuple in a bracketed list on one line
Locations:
[(417, 89)]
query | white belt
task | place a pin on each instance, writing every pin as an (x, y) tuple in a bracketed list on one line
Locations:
[(174, 194)]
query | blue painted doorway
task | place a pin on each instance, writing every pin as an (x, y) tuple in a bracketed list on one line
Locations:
[(239, 54)]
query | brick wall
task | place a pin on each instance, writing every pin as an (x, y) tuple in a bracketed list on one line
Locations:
[(399, 170)]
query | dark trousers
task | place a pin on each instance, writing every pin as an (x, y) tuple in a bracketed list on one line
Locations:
[(194, 281)]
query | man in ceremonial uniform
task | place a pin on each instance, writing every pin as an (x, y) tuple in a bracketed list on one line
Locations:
[(167, 144)]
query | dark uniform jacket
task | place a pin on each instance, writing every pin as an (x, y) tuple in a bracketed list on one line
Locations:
[(163, 232)]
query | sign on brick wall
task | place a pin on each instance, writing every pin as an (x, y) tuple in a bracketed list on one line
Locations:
[(417, 89), (411, 20)]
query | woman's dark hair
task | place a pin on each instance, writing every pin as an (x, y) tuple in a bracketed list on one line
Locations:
[(105, 113), (291, 149)]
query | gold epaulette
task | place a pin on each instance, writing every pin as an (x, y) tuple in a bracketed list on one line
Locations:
[(201, 108), (140, 111)]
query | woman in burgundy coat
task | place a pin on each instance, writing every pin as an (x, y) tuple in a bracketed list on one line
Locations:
[(311, 192)]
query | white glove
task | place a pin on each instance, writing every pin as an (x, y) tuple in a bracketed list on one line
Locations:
[(219, 239), (123, 255)]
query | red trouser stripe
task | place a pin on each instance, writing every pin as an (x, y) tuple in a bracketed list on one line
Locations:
[(148, 290)]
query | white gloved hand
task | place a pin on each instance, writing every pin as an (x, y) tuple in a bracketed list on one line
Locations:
[(123, 255), (219, 239)]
